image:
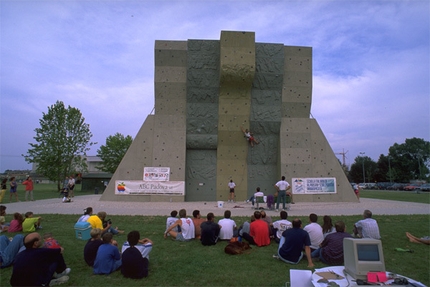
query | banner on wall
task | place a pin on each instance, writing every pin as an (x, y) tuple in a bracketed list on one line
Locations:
[(156, 173), (317, 185), (149, 187)]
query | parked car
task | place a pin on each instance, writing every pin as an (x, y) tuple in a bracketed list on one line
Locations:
[(397, 186), (362, 185), (411, 187), (425, 187)]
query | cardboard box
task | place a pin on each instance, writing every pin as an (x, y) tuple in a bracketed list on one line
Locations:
[(82, 230)]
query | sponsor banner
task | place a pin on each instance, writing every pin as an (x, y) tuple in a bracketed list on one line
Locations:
[(149, 187), (156, 173), (316, 185)]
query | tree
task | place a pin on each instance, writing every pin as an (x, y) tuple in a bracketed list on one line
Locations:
[(356, 171), (410, 160), (62, 142), (113, 152)]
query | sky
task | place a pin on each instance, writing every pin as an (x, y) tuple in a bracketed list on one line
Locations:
[(371, 77)]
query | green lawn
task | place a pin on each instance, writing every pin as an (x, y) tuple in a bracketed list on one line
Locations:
[(191, 264), (405, 196)]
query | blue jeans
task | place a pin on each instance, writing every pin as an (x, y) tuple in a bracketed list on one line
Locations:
[(9, 250), (280, 257), (282, 194), (318, 254)]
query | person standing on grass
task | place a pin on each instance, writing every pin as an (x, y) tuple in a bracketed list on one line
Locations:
[(13, 189), (3, 189), (187, 229), (282, 186), (231, 186), (291, 246), (135, 256), (37, 266), (71, 185), (28, 188), (357, 191), (210, 230), (367, 227), (108, 258)]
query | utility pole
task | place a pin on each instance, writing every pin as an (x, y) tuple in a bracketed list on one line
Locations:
[(343, 153), (362, 160)]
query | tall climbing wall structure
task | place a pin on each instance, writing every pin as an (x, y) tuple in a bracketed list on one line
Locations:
[(205, 91)]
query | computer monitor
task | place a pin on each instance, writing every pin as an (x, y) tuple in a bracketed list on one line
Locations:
[(362, 256)]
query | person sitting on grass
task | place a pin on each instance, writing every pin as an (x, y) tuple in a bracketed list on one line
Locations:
[(259, 232), (30, 223), (210, 230), (87, 213), (291, 246), (98, 221), (9, 249), (279, 226), (108, 258), (187, 228), (16, 223), (50, 242), (228, 227), (37, 266), (367, 227), (197, 220), (92, 246), (135, 256), (331, 249)]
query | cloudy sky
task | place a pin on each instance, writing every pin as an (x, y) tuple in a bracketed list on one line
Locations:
[(370, 63)]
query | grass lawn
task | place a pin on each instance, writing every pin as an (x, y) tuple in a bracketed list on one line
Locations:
[(191, 264), (405, 196)]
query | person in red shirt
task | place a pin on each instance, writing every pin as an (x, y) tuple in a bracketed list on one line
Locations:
[(50, 242), (28, 188), (259, 232)]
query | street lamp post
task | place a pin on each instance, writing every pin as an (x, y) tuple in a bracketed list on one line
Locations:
[(389, 168), (362, 160)]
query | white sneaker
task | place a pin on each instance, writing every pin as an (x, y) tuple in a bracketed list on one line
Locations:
[(276, 210), (59, 281), (64, 273)]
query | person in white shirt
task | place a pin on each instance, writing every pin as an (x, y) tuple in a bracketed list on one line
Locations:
[(315, 232), (367, 227), (282, 186), (231, 186), (228, 226), (280, 226), (187, 228)]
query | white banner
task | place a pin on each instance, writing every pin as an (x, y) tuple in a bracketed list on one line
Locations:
[(147, 187), (156, 173), (316, 185)]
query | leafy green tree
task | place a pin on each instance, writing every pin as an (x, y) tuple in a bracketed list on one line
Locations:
[(410, 160), (113, 152), (356, 170), (61, 143)]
